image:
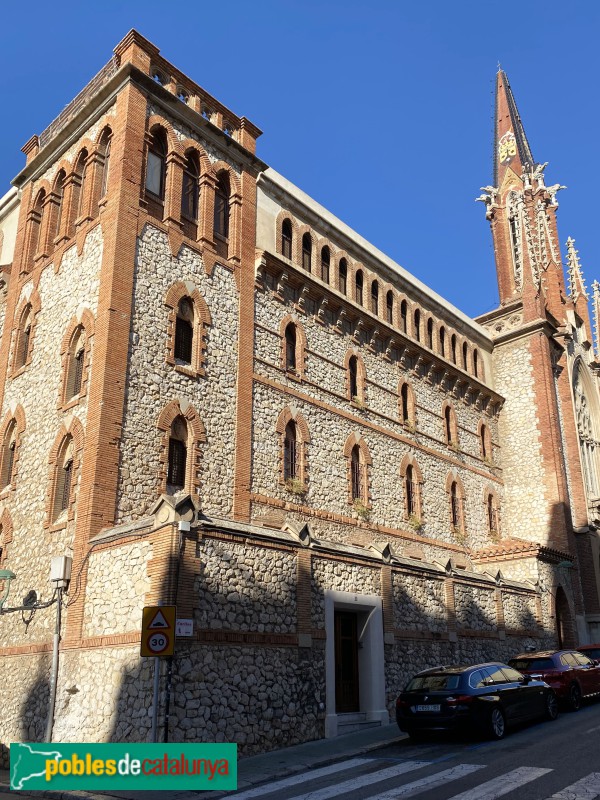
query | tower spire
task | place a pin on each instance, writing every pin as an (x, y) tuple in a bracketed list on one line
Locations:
[(576, 283), (511, 148)]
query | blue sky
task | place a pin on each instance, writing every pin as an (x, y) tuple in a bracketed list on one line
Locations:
[(381, 111)]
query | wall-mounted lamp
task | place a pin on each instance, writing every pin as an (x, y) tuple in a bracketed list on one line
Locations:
[(7, 576)]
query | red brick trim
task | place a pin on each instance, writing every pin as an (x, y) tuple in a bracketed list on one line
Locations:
[(303, 440), (27, 311), (409, 460), (301, 344), (365, 460), (202, 319), (70, 430), (361, 376), (14, 418), (83, 323), (452, 442), (196, 435), (281, 217), (6, 535)]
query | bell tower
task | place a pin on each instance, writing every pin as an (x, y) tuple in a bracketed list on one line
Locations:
[(522, 213)]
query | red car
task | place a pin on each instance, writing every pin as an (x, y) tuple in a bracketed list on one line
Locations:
[(570, 673), (591, 651)]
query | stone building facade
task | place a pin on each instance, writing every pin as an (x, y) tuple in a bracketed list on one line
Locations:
[(216, 395)]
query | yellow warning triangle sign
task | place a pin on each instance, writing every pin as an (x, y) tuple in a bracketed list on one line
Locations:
[(159, 622)]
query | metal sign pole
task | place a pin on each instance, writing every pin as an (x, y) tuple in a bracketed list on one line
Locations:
[(155, 700)]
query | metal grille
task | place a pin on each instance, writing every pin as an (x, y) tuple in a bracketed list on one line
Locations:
[(66, 487), (77, 373), (356, 476), (290, 454), (455, 508), (177, 459), (290, 347), (184, 337), (411, 497)]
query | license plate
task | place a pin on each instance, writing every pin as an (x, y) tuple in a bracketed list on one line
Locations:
[(431, 707)]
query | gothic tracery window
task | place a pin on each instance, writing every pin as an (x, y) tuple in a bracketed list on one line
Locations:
[(586, 430)]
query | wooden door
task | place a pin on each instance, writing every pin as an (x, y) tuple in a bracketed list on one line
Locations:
[(346, 662)]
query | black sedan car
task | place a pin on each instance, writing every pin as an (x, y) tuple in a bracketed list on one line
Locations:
[(485, 698)]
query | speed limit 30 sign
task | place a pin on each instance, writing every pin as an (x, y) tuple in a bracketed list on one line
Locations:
[(158, 631)]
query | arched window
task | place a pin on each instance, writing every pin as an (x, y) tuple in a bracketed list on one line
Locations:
[(156, 168), (34, 220), (389, 307), (586, 417), (307, 252), (358, 294), (9, 445), (353, 377), (63, 484), (476, 363), (465, 356), (190, 188), (456, 511), (443, 341), (493, 516), (105, 145), (286, 239), (222, 193), (290, 347), (450, 427), (404, 316), (184, 331), (177, 461), (417, 326), (325, 262), (407, 405), (75, 364), (57, 199), (430, 333), (410, 490), (356, 472), (291, 470), (453, 347), (343, 284), (23, 338), (485, 445), (411, 484), (375, 298), (78, 191)]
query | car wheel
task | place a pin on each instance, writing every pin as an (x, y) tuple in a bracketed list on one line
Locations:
[(551, 712), (497, 723), (574, 700)]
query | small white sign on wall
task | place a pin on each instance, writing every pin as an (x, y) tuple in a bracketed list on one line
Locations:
[(184, 627)]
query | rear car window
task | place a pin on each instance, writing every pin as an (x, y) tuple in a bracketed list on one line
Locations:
[(531, 664), (433, 683), (569, 660), (512, 675), (582, 660)]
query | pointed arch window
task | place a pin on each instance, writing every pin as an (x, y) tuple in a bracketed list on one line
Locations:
[(9, 446), (375, 298), (177, 459), (450, 427), (411, 485), (156, 168), (465, 356), (290, 347), (325, 263), (222, 194), (286, 239), (307, 252), (23, 338), (453, 348), (291, 469), (389, 307), (443, 342), (417, 325), (476, 369), (456, 515), (34, 220), (430, 333), (358, 286), (353, 377), (76, 358), (63, 482), (485, 445), (407, 405), (343, 272), (404, 316), (106, 144), (410, 491), (356, 471), (493, 515), (57, 199), (190, 189), (184, 331), (78, 190)]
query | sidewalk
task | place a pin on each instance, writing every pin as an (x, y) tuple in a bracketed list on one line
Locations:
[(254, 770)]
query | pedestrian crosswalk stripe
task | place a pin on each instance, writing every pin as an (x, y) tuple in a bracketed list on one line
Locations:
[(587, 788), (302, 777), (429, 782), (502, 784), (357, 782)]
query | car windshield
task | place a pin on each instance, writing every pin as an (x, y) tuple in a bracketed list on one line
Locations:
[(433, 683), (531, 664)]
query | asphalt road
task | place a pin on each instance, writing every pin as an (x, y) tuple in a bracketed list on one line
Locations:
[(558, 760)]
